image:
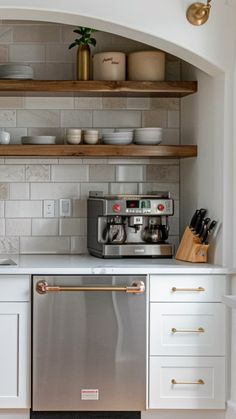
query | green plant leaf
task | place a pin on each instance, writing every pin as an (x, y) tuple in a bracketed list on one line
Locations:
[(72, 45), (92, 41)]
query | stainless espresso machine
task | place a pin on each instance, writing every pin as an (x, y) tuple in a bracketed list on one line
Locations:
[(129, 225)]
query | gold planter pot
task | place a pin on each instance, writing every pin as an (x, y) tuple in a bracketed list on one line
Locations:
[(83, 62)]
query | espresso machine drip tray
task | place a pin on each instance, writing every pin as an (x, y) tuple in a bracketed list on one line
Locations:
[(133, 250)]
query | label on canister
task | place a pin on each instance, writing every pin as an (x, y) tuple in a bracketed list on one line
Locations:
[(89, 394)]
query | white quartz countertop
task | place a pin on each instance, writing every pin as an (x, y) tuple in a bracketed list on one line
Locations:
[(86, 264)]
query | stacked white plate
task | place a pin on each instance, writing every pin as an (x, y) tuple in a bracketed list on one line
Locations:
[(148, 136), (39, 139), (16, 71), (118, 138)]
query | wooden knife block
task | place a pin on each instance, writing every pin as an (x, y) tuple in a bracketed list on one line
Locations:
[(191, 249)]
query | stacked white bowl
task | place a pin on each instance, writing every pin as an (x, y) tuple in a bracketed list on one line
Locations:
[(148, 136), (90, 136), (16, 71), (73, 135), (118, 138)]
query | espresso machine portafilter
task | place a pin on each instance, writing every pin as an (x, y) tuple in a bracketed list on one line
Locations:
[(129, 225)]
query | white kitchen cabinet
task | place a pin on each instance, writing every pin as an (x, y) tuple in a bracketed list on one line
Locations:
[(15, 342), (187, 326), (187, 383)]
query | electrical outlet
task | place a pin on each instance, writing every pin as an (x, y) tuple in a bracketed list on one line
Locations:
[(49, 208), (65, 207)]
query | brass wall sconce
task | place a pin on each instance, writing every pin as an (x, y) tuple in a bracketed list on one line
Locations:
[(198, 13)]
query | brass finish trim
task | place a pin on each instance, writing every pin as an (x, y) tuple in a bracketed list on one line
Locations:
[(138, 287), (199, 330), (198, 382), (199, 289), (198, 13)]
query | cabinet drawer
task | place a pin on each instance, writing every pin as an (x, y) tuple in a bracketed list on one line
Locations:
[(187, 383), (15, 288), (187, 288), (187, 329)]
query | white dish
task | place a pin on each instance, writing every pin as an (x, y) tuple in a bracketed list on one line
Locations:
[(148, 129), (39, 139), (121, 141), (148, 141)]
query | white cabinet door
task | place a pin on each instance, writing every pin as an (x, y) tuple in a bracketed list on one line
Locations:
[(14, 355), (187, 329), (187, 383), (182, 288)]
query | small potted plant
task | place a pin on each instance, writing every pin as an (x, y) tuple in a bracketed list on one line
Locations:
[(83, 52)]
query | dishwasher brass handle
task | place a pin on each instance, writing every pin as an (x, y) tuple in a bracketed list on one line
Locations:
[(138, 287), (200, 382), (198, 330), (199, 289)]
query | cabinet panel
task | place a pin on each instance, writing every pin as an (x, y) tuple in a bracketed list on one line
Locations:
[(15, 288), (14, 355), (187, 329), (196, 288), (186, 383)]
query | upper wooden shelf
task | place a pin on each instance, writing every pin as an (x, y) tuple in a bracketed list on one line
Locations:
[(63, 150), (102, 88)]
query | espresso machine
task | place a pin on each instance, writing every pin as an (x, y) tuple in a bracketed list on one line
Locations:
[(129, 225)]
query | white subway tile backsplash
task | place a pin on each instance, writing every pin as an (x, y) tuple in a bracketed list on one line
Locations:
[(114, 102), (60, 53), (18, 227), (145, 188), (2, 209), (173, 119), (87, 187), (115, 119), (7, 118), (23, 209), (123, 188), (32, 160), (138, 103), (70, 161), (130, 173), (79, 208), (11, 102), (45, 227), (4, 191), (101, 173), (38, 118), (2, 227), (27, 53), (36, 33), (70, 173), (79, 245), (76, 119), (6, 34), (53, 71), (73, 227), (47, 102), (11, 173), (163, 173), (156, 118), (54, 190), (88, 102), (37, 173), (9, 245), (44, 244), (3, 54)]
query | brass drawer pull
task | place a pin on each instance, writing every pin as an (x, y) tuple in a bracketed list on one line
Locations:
[(199, 289), (199, 330), (199, 382)]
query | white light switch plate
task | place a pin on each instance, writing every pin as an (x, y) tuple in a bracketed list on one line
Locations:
[(49, 208)]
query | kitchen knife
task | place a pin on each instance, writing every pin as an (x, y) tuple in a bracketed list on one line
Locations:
[(205, 221), (194, 219), (208, 232), (198, 224)]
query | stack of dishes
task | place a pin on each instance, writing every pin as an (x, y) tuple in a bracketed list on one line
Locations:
[(73, 135), (38, 139), (148, 136), (118, 138), (90, 136), (16, 71)]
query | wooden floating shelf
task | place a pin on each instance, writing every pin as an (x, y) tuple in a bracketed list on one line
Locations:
[(102, 88), (158, 151)]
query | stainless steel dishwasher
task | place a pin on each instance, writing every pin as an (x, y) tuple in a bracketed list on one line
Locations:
[(89, 343)]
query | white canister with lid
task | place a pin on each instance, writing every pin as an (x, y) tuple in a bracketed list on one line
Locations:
[(146, 65), (109, 66)]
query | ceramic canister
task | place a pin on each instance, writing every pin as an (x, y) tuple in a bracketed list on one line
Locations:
[(146, 65), (109, 66)]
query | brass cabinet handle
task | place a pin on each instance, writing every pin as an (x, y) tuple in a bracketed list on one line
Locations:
[(138, 287), (198, 330), (199, 289), (199, 382)]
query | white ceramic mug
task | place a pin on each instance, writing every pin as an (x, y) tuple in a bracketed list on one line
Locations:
[(5, 137)]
